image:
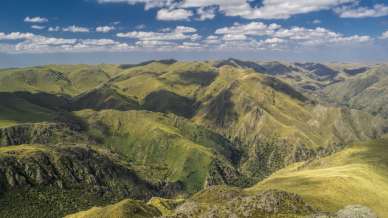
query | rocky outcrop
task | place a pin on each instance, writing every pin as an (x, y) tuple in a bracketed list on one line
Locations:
[(38, 133), (350, 211), (266, 204), (356, 211), (66, 168)]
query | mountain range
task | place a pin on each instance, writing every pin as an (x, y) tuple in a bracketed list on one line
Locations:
[(169, 138)]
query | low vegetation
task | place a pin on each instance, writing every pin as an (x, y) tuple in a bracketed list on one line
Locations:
[(190, 139)]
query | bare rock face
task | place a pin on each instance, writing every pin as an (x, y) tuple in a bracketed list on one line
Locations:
[(266, 204), (350, 211), (270, 202), (356, 211)]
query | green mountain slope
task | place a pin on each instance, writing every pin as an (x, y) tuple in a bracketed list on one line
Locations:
[(366, 91), (169, 147), (268, 122), (356, 175), (56, 79), (171, 128), (273, 125)]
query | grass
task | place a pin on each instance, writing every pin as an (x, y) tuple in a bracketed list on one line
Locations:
[(56, 79), (174, 149), (356, 175), (166, 206), (17, 110), (124, 208)]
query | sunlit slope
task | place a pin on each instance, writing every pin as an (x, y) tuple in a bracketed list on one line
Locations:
[(274, 124), (267, 121), (245, 104), (126, 208), (182, 78), (242, 104), (367, 91), (356, 175), (56, 79), (171, 148)]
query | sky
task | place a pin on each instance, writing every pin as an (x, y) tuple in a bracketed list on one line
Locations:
[(37, 32)]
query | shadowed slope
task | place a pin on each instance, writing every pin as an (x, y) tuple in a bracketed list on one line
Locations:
[(51, 181)]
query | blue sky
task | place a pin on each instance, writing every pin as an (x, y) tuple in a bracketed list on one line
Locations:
[(126, 31)]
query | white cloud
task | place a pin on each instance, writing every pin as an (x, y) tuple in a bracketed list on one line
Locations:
[(252, 36), (384, 35), (155, 43), (35, 20), (248, 9), (316, 21), (140, 27), (38, 27), (75, 29), (195, 37), (378, 10), (253, 28), (185, 29), (270, 9), (105, 29), (165, 38), (16, 36), (148, 3), (54, 29), (31, 43), (234, 37), (179, 33), (174, 14), (99, 42), (212, 40), (206, 13), (257, 35)]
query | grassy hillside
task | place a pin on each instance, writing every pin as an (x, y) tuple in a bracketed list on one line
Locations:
[(273, 124), (125, 208), (56, 79), (367, 91), (267, 121), (14, 109), (171, 148), (356, 175), (173, 128)]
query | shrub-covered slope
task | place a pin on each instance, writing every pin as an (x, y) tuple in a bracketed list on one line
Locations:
[(51, 181)]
